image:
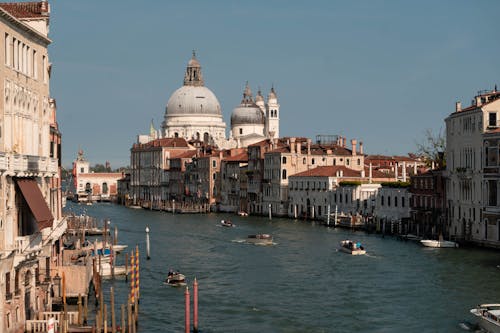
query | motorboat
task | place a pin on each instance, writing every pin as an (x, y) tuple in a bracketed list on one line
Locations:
[(438, 243), (106, 270), (411, 237), (242, 213), (227, 223), (175, 279), (119, 247), (350, 247), (260, 239), (488, 316)]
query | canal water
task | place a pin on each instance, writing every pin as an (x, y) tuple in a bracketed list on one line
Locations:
[(300, 284)]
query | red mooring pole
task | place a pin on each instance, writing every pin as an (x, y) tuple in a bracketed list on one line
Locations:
[(186, 296), (195, 306)]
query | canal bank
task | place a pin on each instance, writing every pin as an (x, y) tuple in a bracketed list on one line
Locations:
[(302, 284)]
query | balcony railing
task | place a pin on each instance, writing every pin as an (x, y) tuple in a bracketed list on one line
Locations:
[(28, 244), (27, 164)]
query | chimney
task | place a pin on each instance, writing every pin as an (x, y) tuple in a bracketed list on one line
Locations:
[(353, 144), (292, 145), (458, 106), (299, 148), (370, 174), (404, 171), (344, 140), (308, 146), (360, 147), (478, 100)]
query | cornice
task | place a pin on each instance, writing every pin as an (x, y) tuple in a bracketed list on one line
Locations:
[(38, 36)]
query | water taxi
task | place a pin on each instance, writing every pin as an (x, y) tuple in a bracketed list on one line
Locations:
[(351, 247), (227, 223), (260, 239), (488, 316), (438, 243), (175, 279)]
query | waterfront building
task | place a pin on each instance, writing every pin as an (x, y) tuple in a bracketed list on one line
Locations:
[(392, 207), (233, 170), (298, 155), (255, 172), (428, 204), (30, 190), (124, 193), (94, 186), (468, 188), (149, 165), (491, 187), (178, 188)]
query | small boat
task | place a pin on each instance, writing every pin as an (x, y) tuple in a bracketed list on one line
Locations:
[(175, 279), (488, 316), (242, 213), (106, 271), (438, 243), (351, 247), (260, 239), (227, 223), (119, 247)]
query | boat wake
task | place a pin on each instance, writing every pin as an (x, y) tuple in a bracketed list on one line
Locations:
[(468, 326), (239, 241)]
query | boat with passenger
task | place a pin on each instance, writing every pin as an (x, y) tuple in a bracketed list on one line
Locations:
[(488, 316), (350, 247), (175, 279), (227, 223), (260, 239)]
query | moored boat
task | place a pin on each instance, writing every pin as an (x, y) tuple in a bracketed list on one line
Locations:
[(227, 223), (351, 247), (438, 243), (242, 213), (175, 279), (488, 316), (260, 239)]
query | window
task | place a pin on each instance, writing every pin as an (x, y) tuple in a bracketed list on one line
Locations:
[(241, 130), (402, 201), (283, 174), (7, 285), (492, 121), (7, 49), (359, 161), (35, 65), (382, 200), (395, 201), (104, 188), (44, 64), (347, 161), (388, 201), (312, 161), (304, 160), (284, 160), (214, 164)]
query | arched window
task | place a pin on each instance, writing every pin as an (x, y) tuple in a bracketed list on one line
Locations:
[(241, 130), (283, 174), (347, 161), (334, 161), (176, 135), (359, 161), (312, 161), (88, 189), (304, 160)]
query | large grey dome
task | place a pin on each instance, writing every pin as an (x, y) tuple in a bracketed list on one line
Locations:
[(193, 100), (247, 115)]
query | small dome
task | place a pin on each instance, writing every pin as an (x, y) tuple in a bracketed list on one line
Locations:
[(247, 115), (259, 97), (193, 100)]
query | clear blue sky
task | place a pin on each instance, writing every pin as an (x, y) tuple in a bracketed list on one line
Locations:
[(379, 71)]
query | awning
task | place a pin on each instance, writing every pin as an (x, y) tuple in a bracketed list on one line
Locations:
[(36, 202)]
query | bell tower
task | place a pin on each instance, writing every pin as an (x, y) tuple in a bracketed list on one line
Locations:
[(272, 115)]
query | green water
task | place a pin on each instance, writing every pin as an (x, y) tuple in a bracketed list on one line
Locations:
[(300, 284)]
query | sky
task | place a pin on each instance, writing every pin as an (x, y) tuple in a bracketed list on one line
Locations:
[(381, 72)]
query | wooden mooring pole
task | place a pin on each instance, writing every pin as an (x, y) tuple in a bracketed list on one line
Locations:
[(195, 306), (186, 312)]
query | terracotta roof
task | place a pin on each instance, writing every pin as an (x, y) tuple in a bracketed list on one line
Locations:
[(26, 9), (100, 175), (243, 157), (328, 171), (182, 154), (164, 142)]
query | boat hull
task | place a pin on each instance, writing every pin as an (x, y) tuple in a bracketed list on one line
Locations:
[(436, 243), (352, 252), (487, 323)]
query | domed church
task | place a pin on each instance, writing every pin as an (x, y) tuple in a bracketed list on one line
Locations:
[(254, 120), (193, 111)]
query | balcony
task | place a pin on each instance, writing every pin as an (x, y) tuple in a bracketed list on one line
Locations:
[(27, 165), (27, 247)]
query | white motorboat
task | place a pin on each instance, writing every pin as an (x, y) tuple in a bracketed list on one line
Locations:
[(488, 316), (227, 223), (260, 239), (119, 247), (175, 279), (105, 270), (351, 247), (242, 213), (438, 243)]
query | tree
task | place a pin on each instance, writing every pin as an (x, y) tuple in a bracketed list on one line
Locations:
[(432, 148)]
